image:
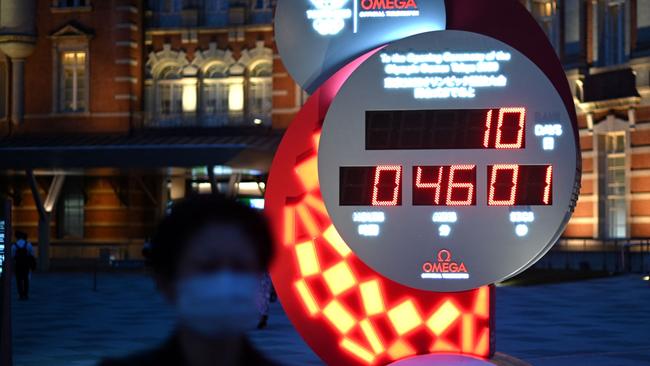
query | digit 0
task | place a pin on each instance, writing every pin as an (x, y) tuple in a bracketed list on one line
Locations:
[(521, 127), (498, 170), (384, 169)]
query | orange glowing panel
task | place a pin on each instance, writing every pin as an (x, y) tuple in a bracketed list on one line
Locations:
[(342, 320), (308, 173), (307, 221), (334, 239), (404, 317), (400, 349), (339, 278), (357, 350), (482, 304), (307, 297), (442, 346), (307, 259), (316, 204), (289, 219), (371, 297), (316, 140), (444, 317), (483, 344), (468, 333), (371, 335)]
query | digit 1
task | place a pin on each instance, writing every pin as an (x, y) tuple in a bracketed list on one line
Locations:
[(398, 179), (547, 187), (488, 129), (437, 185), (513, 189), (520, 129), (462, 185)]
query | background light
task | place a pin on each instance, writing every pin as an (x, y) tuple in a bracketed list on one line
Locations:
[(189, 98), (236, 97)]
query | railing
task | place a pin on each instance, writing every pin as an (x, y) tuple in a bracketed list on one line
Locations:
[(183, 120), (610, 255)]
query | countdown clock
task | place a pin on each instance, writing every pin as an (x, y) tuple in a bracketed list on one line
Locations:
[(448, 161)]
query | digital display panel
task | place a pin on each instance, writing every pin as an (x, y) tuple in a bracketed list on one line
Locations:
[(449, 185), (486, 153), (520, 185), (500, 128), (371, 186)]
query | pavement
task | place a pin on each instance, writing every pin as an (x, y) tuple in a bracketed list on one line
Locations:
[(604, 322)]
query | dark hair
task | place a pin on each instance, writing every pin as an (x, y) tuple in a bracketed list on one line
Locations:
[(21, 235), (195, 212)]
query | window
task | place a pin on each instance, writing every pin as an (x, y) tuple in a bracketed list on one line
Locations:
[(613, 183), (572, 27), (71, 210), (71, 3), (613, 30), (169, 92), (643, 22), (215, 94), (74, 81), (545, 11), (260, 98), (3, 90)]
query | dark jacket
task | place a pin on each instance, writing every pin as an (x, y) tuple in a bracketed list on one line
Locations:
[(170, 354)]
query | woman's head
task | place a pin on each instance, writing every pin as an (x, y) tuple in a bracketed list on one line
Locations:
[(208, 255), (208, 233)]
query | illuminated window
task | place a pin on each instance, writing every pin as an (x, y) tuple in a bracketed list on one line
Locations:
[(169, 92), (215, 95), (74, 81), (613, 183), (260, 99), (545, 11)]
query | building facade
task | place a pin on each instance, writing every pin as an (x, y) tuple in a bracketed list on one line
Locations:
[(605, 48), (111, 109), (193, 87)]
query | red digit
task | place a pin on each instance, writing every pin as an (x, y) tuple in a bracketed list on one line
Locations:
[(437, 185), (488, 129), (520, 128), (398, 179), (513, 188), (460, 185), (547, 188)]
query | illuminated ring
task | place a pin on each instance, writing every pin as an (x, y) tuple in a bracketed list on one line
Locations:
[(333, 299)]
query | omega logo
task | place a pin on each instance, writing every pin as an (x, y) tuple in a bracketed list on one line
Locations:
[(444, 268), (388, 4)]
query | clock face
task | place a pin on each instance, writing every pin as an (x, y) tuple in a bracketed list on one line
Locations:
[(448, 161)]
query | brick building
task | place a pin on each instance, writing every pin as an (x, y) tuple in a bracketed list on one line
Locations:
[(129, 105), (605, 48), (111, 109)]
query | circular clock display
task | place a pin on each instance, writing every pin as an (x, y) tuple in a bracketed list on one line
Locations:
[(448, 161)]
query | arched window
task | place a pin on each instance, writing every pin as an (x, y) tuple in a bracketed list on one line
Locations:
[(215, 94), (260, 89), (169, 92)]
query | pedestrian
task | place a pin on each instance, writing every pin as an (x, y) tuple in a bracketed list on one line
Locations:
[(264, 297), (208, 257), (24, 262)]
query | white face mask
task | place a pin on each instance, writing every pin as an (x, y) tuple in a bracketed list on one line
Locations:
[(218, 304)]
